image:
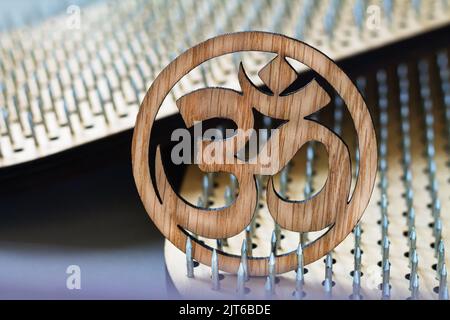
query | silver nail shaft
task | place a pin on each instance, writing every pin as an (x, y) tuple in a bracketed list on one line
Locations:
[(215, 271), (189, 259)]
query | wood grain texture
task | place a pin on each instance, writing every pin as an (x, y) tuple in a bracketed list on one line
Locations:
[(330, 208)]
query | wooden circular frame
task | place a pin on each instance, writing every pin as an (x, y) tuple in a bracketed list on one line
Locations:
[(164, 215)]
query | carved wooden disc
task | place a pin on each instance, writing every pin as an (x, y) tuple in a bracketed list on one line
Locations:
[(329, 210)]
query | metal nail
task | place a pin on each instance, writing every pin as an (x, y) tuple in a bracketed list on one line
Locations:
[(272, 272), (215, 271), (441, 258), (385, 286), (356, 286), (414, 265), (189, 259), (241, 280), (385, 249), (437, 235), (248, 240), (273, 243), (357, 259), (443, 287), (244, 260), (415, 287), (268, 288)]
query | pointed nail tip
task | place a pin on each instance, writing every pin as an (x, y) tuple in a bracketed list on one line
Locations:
[(272, 258)]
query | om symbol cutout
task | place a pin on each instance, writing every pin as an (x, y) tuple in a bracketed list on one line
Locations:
[(332, 209)]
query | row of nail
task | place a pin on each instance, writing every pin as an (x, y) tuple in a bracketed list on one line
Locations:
[(243, 275), (444, 77), (403, 80), (383, 102), (433, 186), (357, 232), (444, 71), (271, 280)]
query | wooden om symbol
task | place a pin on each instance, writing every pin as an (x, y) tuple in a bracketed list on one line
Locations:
[(329, 210)]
